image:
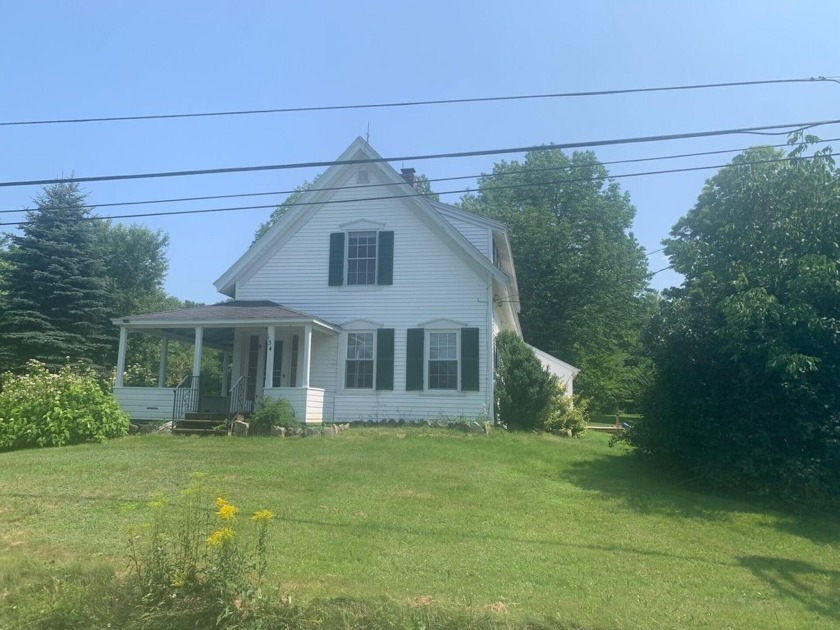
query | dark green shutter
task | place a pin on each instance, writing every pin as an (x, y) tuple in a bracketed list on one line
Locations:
[(414, 359), (385, 358), (336, 259), (385, 259), (469, 359)]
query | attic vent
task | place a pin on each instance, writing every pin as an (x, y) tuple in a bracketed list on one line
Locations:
[(363, 176)]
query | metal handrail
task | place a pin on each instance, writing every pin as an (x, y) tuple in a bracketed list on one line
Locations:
[(186, 397), (237, 396)]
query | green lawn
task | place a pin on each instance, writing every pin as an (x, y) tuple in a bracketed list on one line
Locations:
[(569, 532)]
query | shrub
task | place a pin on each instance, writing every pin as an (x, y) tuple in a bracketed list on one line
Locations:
[(567, 417), (272, 412), (524, 388), (41, 408)]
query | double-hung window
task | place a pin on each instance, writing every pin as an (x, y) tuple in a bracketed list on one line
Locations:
[(358, 373), (370, 360), (443, 360), (361, 257)]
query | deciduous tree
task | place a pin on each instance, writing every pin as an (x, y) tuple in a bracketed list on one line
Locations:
[(747, 350), (582, 275)]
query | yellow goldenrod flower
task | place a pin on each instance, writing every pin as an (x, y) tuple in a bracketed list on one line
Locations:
[(227, 512), (220, 502), (220, 535), (262, 515)]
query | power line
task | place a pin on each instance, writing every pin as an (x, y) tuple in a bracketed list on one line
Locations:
[(451, 101), (448, 192), (661, 270), (570, 167), (433, 156)]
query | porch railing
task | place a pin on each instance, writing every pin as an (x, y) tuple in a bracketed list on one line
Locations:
[(238, 397), (186, 397)]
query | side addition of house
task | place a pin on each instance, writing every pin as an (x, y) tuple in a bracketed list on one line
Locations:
[(364, 301)]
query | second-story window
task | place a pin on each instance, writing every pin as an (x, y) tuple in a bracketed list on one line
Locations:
[(361, 257)]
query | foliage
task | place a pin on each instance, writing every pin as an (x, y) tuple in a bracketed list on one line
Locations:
[(185, 553), (747, 350), (43, 408), (567, 417), (55, 299), (135, 267), (424, 187), (272, 412), (524, 388), (582, 275), (283, 208), (66, 276)]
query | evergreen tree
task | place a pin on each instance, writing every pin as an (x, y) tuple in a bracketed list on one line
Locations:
[(54, 298)]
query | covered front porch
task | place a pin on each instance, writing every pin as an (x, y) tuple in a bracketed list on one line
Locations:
[(265, 349)]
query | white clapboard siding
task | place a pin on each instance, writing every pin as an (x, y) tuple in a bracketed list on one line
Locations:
[(431, 281), (146, 403), (308, 402), (478, 235)]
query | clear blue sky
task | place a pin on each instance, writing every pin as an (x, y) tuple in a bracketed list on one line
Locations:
[(88, 59)]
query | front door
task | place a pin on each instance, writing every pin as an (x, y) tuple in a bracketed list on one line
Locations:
[(285, 372)]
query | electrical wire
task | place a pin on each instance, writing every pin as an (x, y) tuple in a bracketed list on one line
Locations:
[(451, 101), (449, 192), (570, 167), (433, 156), (661, 270)]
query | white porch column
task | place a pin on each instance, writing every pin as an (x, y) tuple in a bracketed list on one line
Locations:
[(225, 373), (118, 381), (269, 357), (199, 339), (307, 352), (164, 358)]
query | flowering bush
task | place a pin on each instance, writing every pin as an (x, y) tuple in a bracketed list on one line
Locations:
[(43, 408), (567, 417), (188, 553)]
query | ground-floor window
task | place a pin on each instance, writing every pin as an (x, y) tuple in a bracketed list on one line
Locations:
[(443, 360), (358, 372)]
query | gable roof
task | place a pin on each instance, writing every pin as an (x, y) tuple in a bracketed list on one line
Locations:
[(309, 202)]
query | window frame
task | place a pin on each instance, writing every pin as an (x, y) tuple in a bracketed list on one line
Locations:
[(372, 274), (347, 359), (427, 361)]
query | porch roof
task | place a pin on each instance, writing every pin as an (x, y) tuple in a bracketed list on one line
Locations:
[(232, 314)]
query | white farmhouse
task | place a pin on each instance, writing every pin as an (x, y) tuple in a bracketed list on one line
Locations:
[(364, 301)]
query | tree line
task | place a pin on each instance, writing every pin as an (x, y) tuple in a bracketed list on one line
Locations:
[(68, 274), (736, 371)]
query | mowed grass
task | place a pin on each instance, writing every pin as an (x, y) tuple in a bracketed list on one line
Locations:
[(516, 526)]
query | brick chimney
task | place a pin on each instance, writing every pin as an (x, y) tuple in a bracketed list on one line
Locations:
[(409, 176)]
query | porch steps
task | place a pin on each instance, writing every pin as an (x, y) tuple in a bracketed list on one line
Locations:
[(201, 423)]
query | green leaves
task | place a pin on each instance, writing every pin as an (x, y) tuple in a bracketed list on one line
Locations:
[(42, 408), (747, 387), (582, 275)]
